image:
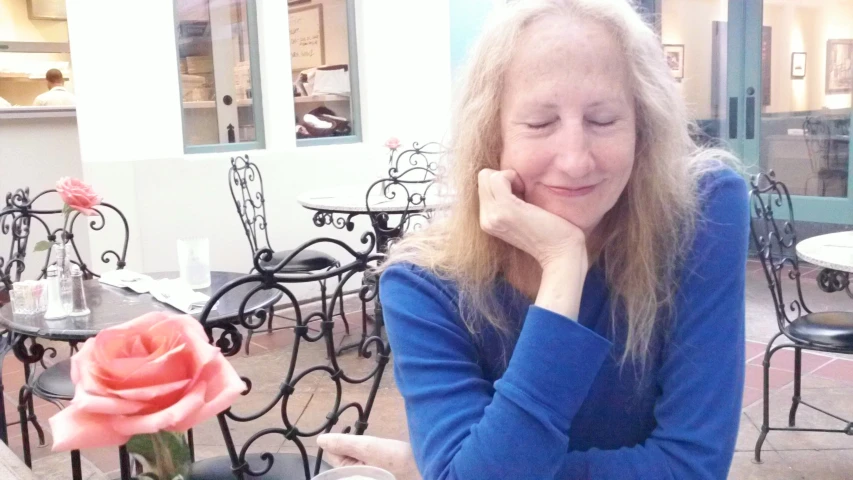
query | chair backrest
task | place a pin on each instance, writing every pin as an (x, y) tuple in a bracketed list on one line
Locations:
[(313, 354), (412, 174), (20, 216), (247, 190), (817, 136), (775, 240)]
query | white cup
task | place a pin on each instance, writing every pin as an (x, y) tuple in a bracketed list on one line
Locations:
[(194, 262), (356, 472)]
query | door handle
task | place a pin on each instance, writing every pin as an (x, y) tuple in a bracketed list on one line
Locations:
[(732, 117), (750, 118)]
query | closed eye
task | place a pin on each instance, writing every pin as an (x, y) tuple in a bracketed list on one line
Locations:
[(539, 126), (602, 124)]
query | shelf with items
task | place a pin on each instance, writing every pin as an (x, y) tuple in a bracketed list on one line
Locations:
[(321, 98)]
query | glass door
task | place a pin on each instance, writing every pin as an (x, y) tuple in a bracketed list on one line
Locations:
[(703, 43), (798, 83)]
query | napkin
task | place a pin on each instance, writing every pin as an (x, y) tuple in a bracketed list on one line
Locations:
[(178, 294), (137, 282)]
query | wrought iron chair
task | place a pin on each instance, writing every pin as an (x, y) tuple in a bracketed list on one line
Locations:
[(775, 240), (823, 156), (398, 203), (247, 191), (299, 374), (19, 217)]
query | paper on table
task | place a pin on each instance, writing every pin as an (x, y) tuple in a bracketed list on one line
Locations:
[(137, 282), (178, 294)]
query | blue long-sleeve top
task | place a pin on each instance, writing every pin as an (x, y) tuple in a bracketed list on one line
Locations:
[(552, 400)]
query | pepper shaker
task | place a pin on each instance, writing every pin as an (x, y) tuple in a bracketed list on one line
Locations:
[(78, 295)]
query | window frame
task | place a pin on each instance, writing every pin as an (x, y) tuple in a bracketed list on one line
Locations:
[(257, 95), (355, 95)]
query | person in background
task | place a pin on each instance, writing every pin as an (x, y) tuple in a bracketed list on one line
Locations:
[(578, 312), (56, 95), (4, 103)]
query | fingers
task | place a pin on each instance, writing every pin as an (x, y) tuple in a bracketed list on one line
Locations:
[(359, 447), (340, 461)]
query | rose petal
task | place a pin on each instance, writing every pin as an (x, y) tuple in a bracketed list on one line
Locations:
[(151, 392), (115, 405), (224, 386), (75, 429), (165, 419)]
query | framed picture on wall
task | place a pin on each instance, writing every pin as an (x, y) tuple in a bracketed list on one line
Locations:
[(798, 65), (675, 59), (839, 66)]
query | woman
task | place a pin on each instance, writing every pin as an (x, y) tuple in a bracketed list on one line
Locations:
[(580, 312)]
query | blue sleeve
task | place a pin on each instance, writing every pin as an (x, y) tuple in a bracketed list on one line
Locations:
[(702, 374), (462, 427)]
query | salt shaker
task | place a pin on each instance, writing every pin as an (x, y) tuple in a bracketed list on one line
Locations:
[(55, 308), (78, 295)]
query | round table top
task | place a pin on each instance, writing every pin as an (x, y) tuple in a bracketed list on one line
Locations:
[(833, 250), (112, 305), (352, 200)]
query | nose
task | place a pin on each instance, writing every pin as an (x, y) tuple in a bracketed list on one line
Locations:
[(573, 156)]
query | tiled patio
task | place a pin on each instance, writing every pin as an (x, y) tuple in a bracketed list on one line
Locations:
[(828, 382)]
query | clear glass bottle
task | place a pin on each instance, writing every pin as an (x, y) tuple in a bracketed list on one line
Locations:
[(63, 265)]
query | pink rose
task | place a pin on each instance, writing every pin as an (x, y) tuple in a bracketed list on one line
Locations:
[(156, 372), (78, 195), (393, 143)]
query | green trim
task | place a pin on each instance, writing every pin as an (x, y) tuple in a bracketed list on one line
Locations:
[(316, 142), (355, 95), (257, 95), (222, 147)]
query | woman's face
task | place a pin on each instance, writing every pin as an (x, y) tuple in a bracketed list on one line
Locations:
[(567, 120)]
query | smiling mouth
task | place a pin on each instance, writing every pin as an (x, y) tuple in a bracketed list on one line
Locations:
[(571, 192)]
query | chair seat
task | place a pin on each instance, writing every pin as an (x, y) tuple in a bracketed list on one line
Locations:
[(55, 382), (286, 466), (305, 261), (827, 329)]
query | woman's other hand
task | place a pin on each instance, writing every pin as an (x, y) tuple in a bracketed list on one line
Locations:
[(342, 450)]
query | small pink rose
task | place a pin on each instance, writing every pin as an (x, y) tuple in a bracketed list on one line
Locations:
[(393, 143), (154, 373), (78, 195)]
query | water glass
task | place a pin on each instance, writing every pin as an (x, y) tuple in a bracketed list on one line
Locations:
[(28, 297), (194, 262), (356, 472)]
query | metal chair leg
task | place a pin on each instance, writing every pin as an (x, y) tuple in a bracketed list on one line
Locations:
[(124, 463), (341, 299), (269, 323), (76, 467), (191, 444), (795, 401), (765, 425), (24, 395), (249, 334)]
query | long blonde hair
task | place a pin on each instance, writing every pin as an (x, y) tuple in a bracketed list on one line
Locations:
[(643, 238)]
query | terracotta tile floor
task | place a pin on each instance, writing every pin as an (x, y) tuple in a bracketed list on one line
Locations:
[(827, 381)]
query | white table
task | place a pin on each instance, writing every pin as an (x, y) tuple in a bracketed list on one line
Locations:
[(338, 206), (833, 252)]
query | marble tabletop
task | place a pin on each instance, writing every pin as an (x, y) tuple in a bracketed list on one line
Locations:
[(112, 305), (352, 200), (833, 250)]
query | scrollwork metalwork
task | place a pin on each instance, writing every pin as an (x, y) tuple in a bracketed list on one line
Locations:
[(295, 373), (775, 241), (323, 218), (20, 214), (247, 191)]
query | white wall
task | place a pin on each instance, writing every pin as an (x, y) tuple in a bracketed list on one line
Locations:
[(132, 146), (28, 159)]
